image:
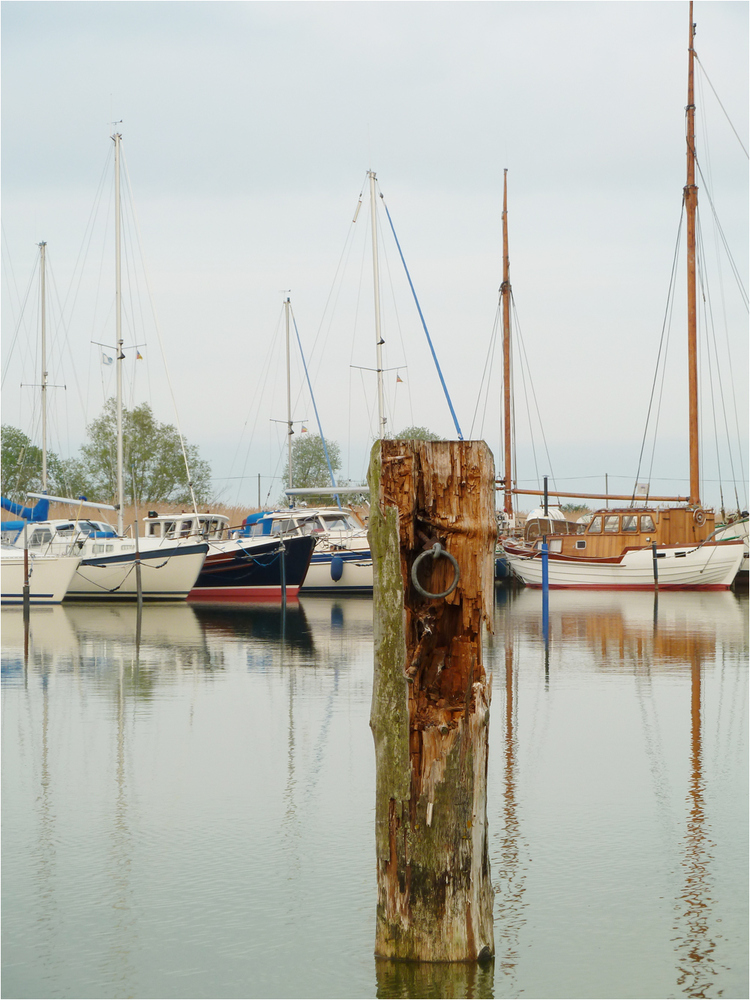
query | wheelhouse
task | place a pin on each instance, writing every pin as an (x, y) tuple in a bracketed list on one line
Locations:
[(212, 527)]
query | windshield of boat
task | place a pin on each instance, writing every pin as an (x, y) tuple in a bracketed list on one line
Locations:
[(83, 527), (338, 522)]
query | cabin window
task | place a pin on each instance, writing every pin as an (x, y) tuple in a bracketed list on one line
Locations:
[(630, 522), (41, 536), (185, 528), (647, 523), (596, 525), (611, 523), (154, 530), (282, 527), (581, 543), (337, 523)]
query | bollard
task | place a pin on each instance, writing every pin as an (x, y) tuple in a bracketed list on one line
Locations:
[(432, 535)]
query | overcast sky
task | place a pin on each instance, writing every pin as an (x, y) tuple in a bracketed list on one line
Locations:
[(248, 130)]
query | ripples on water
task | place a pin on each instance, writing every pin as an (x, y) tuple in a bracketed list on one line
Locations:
[(188, 807)]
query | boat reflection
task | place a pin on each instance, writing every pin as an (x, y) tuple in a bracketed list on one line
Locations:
[(626, 630), (96, 640), (643, 635)]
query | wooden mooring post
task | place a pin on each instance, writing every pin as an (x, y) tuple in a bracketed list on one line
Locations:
[(431, 697)]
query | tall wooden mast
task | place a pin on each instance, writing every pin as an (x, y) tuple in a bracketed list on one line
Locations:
[(505, 298), (691, 204)]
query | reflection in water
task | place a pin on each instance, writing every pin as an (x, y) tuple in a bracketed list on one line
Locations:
[(434, 979), (647, 637), (507, 866), (185, 797), (697, 970)]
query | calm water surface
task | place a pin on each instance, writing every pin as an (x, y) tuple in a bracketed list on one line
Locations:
[(188, 809)]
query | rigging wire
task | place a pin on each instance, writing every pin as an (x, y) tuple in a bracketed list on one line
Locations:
[(703, 70), (484, 383), (523, 358), (312, 396), (424, 325), (661, 359), (161, 344), (261, 384), (20, 320)]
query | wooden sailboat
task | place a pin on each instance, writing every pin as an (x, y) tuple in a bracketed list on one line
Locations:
[(646, 547)]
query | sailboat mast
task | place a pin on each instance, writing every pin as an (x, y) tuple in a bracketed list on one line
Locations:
[(691, 204), (43, 320), (505, 297), (376, 283), (117, 137), (290, 427)]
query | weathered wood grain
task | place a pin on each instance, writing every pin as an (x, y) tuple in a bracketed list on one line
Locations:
[(431, 697)]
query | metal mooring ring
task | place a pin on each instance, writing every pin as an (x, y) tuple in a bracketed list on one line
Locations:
[(436, 551)]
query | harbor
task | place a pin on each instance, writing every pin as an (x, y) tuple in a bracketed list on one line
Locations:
[(356, 643), (189, 805)]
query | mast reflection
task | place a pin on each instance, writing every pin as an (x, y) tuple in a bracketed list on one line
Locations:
[(697, 971)]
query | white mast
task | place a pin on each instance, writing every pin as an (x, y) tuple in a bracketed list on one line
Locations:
[(290, 427), (117, 137), (43, 316), (376, 282)]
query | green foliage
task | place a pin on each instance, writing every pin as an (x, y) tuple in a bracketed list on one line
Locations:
[(21, 463), (417, 434), (309, 467), (153, 459), (575, 508), (22, 469)]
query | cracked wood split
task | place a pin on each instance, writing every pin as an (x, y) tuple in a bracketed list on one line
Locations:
[(431, 697)]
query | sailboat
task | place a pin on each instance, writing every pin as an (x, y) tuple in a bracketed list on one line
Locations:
[(645, 547), (47, 577), (40, 579), (341, 559), (112, 566)]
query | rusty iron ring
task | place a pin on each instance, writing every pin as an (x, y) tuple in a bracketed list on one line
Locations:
[(436, 551)]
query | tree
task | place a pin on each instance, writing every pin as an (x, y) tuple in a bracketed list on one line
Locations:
[(153, 459), (417, 434), (22, 469), (309, 466), (21, 463)]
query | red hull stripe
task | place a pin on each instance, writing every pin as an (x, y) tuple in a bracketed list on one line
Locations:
[(241, 594)]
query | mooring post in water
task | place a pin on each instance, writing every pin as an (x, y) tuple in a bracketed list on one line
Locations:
[(26, 593), (432, 535)]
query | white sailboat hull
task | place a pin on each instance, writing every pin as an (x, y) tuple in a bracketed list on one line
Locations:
[(49, 577), (354, 566), (707, 567), (737, 529), (168, 572)]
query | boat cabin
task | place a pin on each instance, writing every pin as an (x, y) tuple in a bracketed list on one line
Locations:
[(212, 527), (611, 530), (322, 521), (40, 535)]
